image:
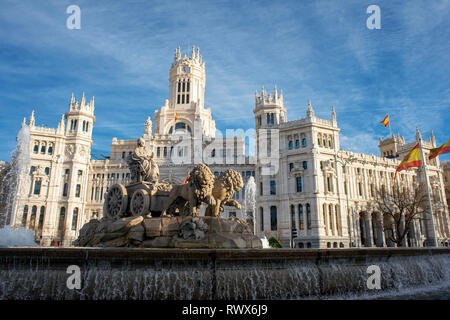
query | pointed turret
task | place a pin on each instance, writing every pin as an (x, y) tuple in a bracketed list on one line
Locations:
[(418, 135), (432, 139), (333, 115), (310, 110), (31, 122), (82, 101)]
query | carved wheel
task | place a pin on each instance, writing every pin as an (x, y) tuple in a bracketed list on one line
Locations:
[(140, 202), (117, 201)]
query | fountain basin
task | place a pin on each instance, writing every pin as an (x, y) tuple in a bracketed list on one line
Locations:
[(215, 274)]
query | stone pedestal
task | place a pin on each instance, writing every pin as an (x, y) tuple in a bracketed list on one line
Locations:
[(168, 232)]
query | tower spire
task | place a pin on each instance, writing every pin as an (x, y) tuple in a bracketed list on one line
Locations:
[(310, 110), (31, 121)]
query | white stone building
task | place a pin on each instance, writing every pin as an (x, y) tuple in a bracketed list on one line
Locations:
[(309, 193)]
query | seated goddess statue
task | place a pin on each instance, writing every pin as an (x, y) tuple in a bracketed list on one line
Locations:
[(142, 166)]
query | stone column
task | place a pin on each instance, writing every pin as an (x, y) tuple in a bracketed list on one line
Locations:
[(379, 228), (369, 235)]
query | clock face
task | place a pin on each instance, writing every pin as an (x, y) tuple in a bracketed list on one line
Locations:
[(185, 69)]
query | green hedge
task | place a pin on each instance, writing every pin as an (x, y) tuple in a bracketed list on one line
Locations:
[(275, 243)]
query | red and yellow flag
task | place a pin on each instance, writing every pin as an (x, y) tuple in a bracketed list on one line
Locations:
[(175, 117), (385, 122), (445, 148), (412, 159), (187, 178)]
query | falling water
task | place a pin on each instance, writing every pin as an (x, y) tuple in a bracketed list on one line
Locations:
[(250, 201), (12, 184), (15, 170), (269, 276)]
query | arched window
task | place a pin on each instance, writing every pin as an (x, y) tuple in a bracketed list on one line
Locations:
[(165, 152), (273, 218), (43, 147), (78, 190), (293, 217), (182, 127), (24, 216), (330, 214), (308, 216), (297, 143), (338, 219), (305, 165), (75, 219), (50, 149), (291, 144), (261, 217), (300, 217), (299, 184), (62, 218), (41, 218), (33, 217), (65, 187), (36, 147), (47, 170), (273, 187), (304, 142), (37, 187)]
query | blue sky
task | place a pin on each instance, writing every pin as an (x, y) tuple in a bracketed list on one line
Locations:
[(318, 50)]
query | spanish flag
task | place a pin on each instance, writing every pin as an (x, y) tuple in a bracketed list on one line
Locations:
[(445, 148), (175, 117), (412, 159), (385, 122), (187, 178)]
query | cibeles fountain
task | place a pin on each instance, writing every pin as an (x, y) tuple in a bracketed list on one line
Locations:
[(152, 243), (148, 213)]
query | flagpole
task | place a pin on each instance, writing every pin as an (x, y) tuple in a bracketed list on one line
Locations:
[(389, 123), (434, 240)]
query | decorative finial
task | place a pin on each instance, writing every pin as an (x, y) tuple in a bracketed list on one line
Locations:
[(418, 135), (31, 121), (310, 110)]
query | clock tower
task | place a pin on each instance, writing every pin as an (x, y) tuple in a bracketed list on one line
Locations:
[(185, 111), (187, 80)]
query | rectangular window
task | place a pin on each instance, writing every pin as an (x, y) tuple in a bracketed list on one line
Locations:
[(37, 187), (273, 218), (305, 165), (300, 217), (299, 184), (297, 143), (308, 216), (187, 98), (178, 99), (273, 187), (75, 219), (291, 144), (182, 99), (261, 216), (291, 166), (260, 188), (329, 184), (65, 190), (77, 191)]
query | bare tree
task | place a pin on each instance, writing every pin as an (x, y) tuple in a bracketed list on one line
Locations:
[(401, 206)]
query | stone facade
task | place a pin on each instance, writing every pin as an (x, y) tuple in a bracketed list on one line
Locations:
[(446, 168), (304, 196)]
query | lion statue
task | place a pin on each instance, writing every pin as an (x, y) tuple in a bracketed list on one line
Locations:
[(225, 185), (197, 189)]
